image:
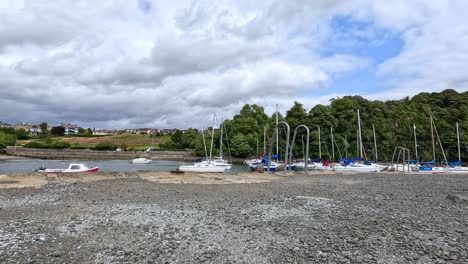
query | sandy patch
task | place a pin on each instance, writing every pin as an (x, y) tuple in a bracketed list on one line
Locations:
[(38, 179), (22, 180), (207, 178)]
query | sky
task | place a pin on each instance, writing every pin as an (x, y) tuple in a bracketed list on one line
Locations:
[(172, 64)]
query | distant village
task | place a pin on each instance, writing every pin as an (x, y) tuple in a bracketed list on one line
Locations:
[(72, 129)]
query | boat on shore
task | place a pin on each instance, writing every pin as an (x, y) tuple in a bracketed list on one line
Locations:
[(207, 165), (202, 167), (73, 167), (219, 162)]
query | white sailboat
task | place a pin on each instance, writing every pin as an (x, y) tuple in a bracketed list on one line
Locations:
[(208, 165), (355, 166), (323, 165), (456, 167), (429, 166)]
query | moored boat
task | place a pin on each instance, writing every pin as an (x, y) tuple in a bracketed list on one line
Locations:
[(73, 167), (202, 167), (140, 161)]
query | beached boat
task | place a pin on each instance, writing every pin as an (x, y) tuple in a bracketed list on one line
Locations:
[(357, 167), (300, 165), (140, 161), (73, 167), (202, 167), (219, 162), (206, 165)]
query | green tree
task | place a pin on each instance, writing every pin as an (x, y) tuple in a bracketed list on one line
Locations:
[(240, 146), (57, 131), (7, 140), (177, 138), (43, 127), (21, 134)]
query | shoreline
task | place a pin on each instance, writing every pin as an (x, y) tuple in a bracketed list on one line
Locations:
[(86, 154), (4, 157)]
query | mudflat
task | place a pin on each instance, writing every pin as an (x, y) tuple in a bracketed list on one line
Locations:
[(157, 217)]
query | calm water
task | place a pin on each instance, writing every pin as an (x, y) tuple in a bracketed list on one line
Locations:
[(25, 166)]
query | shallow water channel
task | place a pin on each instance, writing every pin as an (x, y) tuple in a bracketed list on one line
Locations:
[(28, 165)]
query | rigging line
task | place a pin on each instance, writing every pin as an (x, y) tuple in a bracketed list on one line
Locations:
[(440, 143), (383, 152), (370, 144), (338, 148)]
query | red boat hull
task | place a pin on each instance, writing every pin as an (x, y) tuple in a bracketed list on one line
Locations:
[(96, 169)]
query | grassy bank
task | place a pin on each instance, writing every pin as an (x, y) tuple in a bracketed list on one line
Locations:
[(130, 141)]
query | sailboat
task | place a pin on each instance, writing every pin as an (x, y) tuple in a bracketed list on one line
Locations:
[(204, 166), (353, 164), (429, 166), (322, 165), (219, 161), (456, 167)]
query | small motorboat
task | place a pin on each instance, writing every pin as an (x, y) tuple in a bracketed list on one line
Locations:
[(140, 161), (73, 167)]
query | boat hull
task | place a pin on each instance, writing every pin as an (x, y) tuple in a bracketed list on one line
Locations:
[(357, 168), (94, 169), (140, 161), (195, 168)]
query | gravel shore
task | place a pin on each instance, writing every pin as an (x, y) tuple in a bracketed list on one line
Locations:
[(360, 218)]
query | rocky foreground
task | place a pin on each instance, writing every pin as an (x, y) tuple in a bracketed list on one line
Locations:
[(357, 218)]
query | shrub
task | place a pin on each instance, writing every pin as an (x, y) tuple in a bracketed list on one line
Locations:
[(168, 146), (105, 146), (7, 140), (59, 145), (77, 146), (35, 144)]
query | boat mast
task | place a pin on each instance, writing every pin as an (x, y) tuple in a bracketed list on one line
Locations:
[(221, 154), (359, 131), (204, 143), (264, 140), (276, 130), (415, 142), (375, 144), (320, 144), (333, 146), (432, 137), (212, 138), (458, 142)]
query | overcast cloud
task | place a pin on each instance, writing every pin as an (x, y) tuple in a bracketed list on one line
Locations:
[(142, 63)]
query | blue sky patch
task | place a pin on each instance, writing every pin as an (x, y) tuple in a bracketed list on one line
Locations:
[(360, 39), (144, 6)]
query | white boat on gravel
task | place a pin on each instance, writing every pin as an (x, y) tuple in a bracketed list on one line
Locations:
[(73, 167), (140, 161), (219, 163), (357, 167), (202, 167)]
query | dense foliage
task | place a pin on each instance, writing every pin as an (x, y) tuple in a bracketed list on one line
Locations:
[(7, 139), (105, 146), (47, 144)]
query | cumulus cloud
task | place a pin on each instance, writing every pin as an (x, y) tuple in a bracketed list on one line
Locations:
[(117, 64)]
